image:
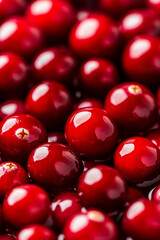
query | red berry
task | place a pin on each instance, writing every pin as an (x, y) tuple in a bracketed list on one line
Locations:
[(95, 36), (50, 102), (57, 137), (63, 207), (102, 187), (155, 5), (155, 194), (54, 17), (19, 135), (98, 76), (138, 160), (154, 136), (28, 204), (35, 232), (11, 175), (91, 132), (132, 106), (54, 166), (91, 225), (6, 237), (144, 213), (88, 102)]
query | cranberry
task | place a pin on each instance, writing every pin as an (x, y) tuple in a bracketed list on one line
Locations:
[(154, 136), (11, 7), (155, 5), (19, 135), (56, 64), (34, 232), (137, 159), (139, 22), (88, 102), (83, 13), (57, 137), (95, 36), (11, 175), (102, 187), (98, 76), (132, 106), (158, 96), (63, 207), (13, 74), (155, 194), (117, 8), (11, 107), (28, 204), (144, 213), (17, 35), (55, 18), (134, 194), (141, 60), (100, 132), (50, 102), (6, 237), (66, 166), (93, 163), (92, 225)]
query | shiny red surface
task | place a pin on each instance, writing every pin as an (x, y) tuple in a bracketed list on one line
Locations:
[(154, 136)]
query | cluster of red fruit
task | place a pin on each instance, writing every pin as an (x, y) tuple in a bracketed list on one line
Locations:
[(80, 120)]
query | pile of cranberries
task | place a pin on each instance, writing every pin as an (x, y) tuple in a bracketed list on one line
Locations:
[(79, 119)]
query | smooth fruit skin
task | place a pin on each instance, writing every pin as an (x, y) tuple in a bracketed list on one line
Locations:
[(57, 137), (35, 232), (11, 7), (156, 194), (155, 5), (11, 175), (88, 102), (28, 204), (63, 207), (95, 36), (12, 107), (154, 136), (56, 64), (91, 132), (144, 213), (54, 17), (20, 37), (117, 8), (102, 187), (51, 103), (19, 135), (140, 60), (91, 225), (54, 166), (138, 160), (134, 194), (132, 106), (13, 73), (6, 237), (139, 22), (98, 76)]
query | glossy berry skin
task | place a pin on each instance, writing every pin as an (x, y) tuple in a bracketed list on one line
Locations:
[(65, 171), (102, 187), (88, 102), (134, 194), (156, 194), (117, 8), (11, 107), (155, 5), (6, 237), (57, 137), (144, 213), (50, 102), (100, 132), (140, 60), (54, 17), (56, 64), (11, 7), (28, 204), (139, 22), (98, 76), (11, 175), (154, 136), (35, 232), (83, 13), (132, 106), (17, 35), (63, 207), (95, 36), (137, 159), (13, 73), (91, 225), (19, 135)]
